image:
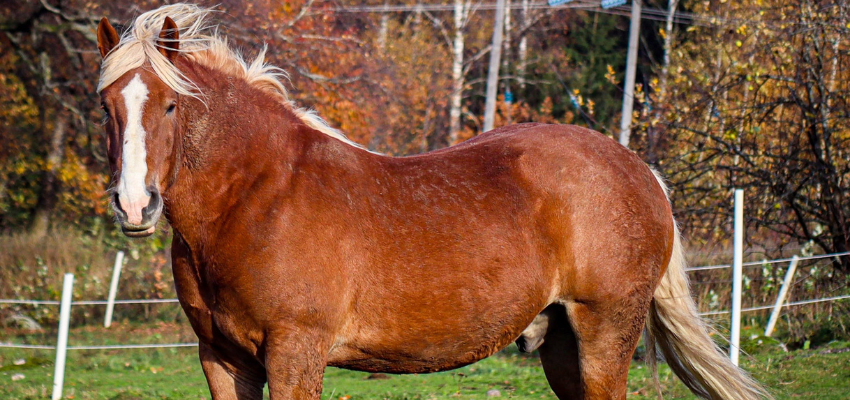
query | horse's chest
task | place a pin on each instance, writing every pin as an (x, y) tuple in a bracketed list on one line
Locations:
[(236, 329), (228, 321), (214, 314)]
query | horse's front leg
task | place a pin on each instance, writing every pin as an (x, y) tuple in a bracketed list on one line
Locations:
[(231, 378), (295, 364)]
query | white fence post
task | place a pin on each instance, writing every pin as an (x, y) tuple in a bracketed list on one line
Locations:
[(737, 277), (62, 341), (786, 284), (113, 289)]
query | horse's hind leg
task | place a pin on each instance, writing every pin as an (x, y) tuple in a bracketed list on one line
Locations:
[(559, 355), (587, 356)]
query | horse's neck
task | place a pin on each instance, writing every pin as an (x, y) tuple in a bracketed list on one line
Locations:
[(228, 143)]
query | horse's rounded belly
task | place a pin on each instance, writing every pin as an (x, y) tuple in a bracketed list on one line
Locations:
[(418, 351), (356, 359)]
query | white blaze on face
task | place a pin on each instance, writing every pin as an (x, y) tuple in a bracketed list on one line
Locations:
[(133, 195)]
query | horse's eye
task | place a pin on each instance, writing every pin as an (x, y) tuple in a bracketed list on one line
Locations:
[(105, 109), (170, 109)]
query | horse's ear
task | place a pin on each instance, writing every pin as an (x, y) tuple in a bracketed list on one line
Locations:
[(169, 39), (107, 38)]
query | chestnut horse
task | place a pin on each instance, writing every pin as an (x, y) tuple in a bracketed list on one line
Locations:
[(295, 249)]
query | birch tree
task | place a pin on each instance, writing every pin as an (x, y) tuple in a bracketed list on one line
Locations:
[(461, 17)]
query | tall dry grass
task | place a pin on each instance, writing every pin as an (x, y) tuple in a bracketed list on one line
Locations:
[(33, 267), (814, 279)]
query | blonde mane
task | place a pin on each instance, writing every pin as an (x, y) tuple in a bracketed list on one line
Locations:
[(202, 44)]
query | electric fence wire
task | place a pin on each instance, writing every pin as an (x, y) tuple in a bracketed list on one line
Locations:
[(171, 345)]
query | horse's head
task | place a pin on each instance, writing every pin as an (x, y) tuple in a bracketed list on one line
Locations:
[(141, 130)]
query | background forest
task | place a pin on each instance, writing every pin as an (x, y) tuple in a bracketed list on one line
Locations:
[(746, 94)]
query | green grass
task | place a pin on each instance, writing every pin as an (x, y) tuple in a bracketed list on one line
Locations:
[(820, 373)]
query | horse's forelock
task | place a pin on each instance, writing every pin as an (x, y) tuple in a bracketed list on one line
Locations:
[(139, 45)]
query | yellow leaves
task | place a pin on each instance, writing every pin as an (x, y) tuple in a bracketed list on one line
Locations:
[(611, 75), (18, 107), (640, 97), (742, 30), (22, 166), (83, 189)]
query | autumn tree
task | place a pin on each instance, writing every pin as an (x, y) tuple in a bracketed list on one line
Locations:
[(50, 67), (762, 104)]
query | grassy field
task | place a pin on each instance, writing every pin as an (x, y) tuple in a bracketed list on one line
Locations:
[(819, 373)]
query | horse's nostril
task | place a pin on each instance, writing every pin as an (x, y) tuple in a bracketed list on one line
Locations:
[(116, 206), (154, 205)]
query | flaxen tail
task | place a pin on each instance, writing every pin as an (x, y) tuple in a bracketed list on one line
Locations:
[(683, 338)]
